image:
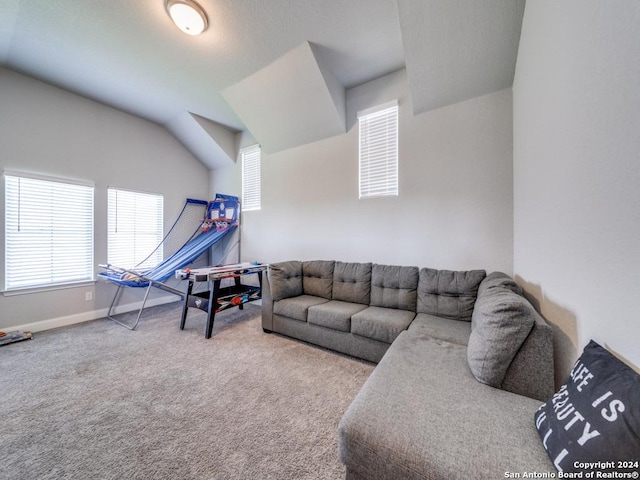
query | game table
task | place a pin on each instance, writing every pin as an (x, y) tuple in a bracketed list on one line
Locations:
[(219, 298)]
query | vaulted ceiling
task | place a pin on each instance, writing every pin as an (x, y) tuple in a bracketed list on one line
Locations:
[(277, 68)]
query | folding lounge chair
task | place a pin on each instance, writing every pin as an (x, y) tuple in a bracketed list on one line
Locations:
[(220, 219)]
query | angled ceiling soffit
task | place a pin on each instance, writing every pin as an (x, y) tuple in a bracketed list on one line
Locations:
[(457, 50), (293, 101), (210, 142)]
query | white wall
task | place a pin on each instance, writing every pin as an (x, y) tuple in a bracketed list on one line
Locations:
[(49, 131), (455, 205), (577, 172)]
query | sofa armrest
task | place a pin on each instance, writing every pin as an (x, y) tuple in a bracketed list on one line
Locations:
[(510, 346), (531, 372), (267, 304)]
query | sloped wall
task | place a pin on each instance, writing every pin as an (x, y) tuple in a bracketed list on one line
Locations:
[(454, 210), (50, 131)]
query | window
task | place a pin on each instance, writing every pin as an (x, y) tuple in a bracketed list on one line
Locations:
[(48, 232), (134, 229), (379, 151), (251, 178)]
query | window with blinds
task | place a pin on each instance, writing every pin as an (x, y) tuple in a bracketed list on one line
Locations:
[(48, 232), (135, 226), (378, 152), (251, 157)]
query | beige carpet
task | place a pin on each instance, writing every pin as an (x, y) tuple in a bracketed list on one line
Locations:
[(96, 401)]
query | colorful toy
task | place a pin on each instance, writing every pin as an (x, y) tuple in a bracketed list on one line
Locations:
[(221, 213), (12, 337), (219, 298)]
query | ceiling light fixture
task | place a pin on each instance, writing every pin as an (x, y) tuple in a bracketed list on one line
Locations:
[(187, 15)]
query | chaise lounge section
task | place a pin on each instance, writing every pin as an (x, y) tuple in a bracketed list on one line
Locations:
[(464, 362)]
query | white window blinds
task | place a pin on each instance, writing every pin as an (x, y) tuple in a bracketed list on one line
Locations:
[(134, 229), (251, 157), (48, 232), (378, 151)]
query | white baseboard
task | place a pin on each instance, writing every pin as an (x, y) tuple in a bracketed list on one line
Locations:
[(88, 316)]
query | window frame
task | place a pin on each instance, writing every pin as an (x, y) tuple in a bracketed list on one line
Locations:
[(251, 160), (378, 141), (126, 210), (45, 227)]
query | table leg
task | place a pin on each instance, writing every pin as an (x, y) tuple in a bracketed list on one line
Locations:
[(213, 305), (185, 305), (238, 284)]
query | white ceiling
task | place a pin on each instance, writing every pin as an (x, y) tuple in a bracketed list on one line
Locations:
[(128, 54)]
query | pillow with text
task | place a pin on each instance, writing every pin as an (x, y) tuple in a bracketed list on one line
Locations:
[(592, 423)]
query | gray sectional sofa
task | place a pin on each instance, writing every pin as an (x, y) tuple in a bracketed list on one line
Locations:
[(463, 358)]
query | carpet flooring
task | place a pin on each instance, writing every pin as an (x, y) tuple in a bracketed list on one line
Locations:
[(96, 401)]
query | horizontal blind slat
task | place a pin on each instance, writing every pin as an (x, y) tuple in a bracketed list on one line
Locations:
[(135, 228), (251, 182), (378, 154), (48, 232)]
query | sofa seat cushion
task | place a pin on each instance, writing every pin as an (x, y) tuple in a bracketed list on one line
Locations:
[(421, 414), (454, 331), (334, 314), (383, 324), (297, 307)]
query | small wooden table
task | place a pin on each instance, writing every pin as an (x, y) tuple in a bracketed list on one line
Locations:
[(218, 298)]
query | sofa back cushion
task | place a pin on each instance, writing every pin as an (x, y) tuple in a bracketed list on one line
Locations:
[(448, 294), (317, 278), (352, 282), (394, 287), (285, 279), (501, 322)]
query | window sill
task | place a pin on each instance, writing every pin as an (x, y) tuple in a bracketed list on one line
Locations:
[(47, 288)]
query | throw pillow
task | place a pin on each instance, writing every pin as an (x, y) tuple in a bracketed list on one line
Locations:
[(501, 322), (593, 422), (499, 280)]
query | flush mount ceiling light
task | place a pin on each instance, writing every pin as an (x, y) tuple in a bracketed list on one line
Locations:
[(187, 15)]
